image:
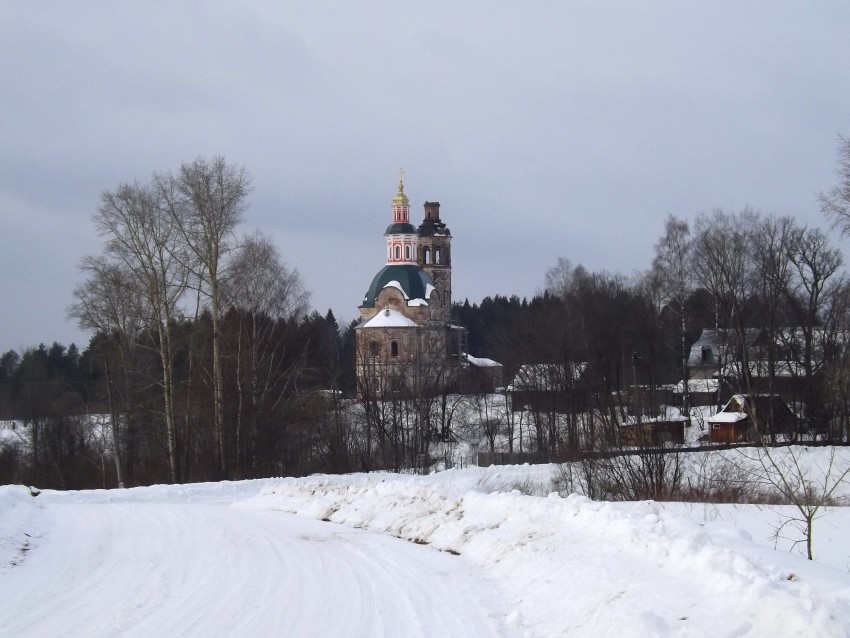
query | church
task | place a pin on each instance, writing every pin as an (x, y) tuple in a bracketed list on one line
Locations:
[(406, 342)]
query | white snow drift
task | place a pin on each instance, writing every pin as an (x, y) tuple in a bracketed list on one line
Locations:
[(230, 559)]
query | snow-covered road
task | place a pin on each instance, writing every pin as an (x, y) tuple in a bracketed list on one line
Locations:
[(257, 558), (207, 569)]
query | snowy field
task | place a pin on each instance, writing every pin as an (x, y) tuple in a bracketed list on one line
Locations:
[(457, 553)]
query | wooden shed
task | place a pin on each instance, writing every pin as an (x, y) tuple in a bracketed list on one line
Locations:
[(744, 417)]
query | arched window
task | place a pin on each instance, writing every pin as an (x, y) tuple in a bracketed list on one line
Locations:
[(373, 348), (436, 255), (426, 255), (397, 251), (394, 348), (407, 252)]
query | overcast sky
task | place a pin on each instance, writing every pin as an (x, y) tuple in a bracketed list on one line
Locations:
[(546, 130)]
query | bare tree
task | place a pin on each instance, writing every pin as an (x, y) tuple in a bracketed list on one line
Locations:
[(144, 256), (206, 200), (110, 302), (559, 278), (673, 266), (816, 281), (771, 242), (835, 203), (266, 294), (722, 261), (802, 482)]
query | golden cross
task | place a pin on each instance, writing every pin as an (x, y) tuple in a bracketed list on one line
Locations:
[(401, 177)]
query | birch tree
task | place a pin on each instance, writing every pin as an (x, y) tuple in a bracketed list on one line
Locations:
[(266, 294), (110, 302), (206, 200), (143, 245), (673, 266)]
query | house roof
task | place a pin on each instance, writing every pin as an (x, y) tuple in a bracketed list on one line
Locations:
[(389, 318), (707, 386), (742, 406), (481, 362), (546, 376)]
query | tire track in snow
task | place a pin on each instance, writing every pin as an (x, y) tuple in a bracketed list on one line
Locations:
[(143, 569)]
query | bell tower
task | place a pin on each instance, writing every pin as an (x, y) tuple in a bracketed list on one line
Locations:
[(435, 256), (401, 234)]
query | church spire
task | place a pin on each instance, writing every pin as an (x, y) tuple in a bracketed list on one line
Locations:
[(401, 234), (400, 200)]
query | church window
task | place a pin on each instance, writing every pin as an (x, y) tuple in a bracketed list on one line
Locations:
[(706, 354), (426, 256), (407, 252), (436, 255), (394, 348), (373, 348), (397, 251)]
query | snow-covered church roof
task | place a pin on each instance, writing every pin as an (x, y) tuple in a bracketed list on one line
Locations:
[(413, 283), (389, 318)]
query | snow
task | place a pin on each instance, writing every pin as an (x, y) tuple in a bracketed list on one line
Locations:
[(727, 417), (389, 318), (492, 553), (397, 285), (546, 376), (481, 362), (410, 302), (706, 386)]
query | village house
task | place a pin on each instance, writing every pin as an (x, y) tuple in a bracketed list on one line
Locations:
[(716, 363), (551, 387)]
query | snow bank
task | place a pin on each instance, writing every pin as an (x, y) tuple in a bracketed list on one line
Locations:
[(17, 509), (590, 568), (217, 492)]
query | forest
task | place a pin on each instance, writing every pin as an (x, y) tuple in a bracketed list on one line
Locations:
[(207, 363)]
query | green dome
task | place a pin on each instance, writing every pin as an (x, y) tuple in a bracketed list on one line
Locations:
[(401, 228), (414, 282)]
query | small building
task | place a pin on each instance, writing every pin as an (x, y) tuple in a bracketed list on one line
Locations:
[(745, 418), (652, 433), (646, 401), (553, 387), (704, 391), (481, 375)]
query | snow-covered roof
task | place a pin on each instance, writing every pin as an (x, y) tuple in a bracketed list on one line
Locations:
[(727, 417), (698, 385), (546, 376), (389, 318), (481, 362), (410, 280), (395, 284)]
